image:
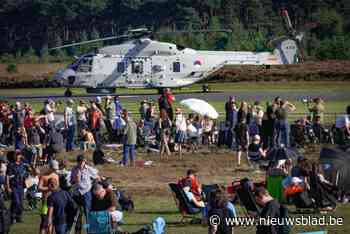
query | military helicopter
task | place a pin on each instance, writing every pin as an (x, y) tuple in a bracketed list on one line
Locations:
[(141, 62)]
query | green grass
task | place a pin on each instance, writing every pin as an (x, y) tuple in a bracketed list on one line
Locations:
[(147, 209), (217, 86)]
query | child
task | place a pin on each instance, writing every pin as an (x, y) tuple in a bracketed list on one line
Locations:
[(88, 140), (242, 138), (32, 188), (255, 150)]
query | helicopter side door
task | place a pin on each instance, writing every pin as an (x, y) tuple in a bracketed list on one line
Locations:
[(139, 71)]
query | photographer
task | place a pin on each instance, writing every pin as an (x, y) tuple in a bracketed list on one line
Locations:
[(281, 124), (317, 110)]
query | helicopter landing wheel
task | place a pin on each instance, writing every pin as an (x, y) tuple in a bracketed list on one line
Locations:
[(68, 93)]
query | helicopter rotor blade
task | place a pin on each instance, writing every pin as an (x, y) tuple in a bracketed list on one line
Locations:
[(90, 41), (193, 31)]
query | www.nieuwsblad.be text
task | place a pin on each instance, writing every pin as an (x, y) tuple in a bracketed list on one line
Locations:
[(290, 221)]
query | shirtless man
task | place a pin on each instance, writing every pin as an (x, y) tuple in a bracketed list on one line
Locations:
[(43, 187)]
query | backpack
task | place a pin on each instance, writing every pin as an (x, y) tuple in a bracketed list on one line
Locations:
[(5, 221), (284, 229)]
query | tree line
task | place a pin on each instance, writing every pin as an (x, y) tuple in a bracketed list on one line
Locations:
[(30, 27)]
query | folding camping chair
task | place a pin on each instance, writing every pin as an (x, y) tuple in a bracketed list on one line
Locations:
[(99, 222), (246, 198), (186, 208)]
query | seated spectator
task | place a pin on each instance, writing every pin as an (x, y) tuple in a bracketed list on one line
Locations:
[(196, 187), (87, 140), (105, 199), (296, 186), (255, 150), (220, 206), (187, 187)]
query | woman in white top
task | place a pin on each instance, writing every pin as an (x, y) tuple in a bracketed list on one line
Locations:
[(181, 127)]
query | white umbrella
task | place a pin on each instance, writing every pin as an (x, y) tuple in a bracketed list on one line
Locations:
[(201, 107)]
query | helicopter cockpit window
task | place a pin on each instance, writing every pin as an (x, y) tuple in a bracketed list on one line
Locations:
[(85, 65), (121, 67), (176, 67), (137, 67)]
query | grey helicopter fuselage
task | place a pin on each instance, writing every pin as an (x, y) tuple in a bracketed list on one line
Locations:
[(145, 63)]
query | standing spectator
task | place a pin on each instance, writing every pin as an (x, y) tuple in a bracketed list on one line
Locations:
[(118, 121), (15, 176), (95, 122), (242, 112), (151, 113), (207, 130), (55, 143), (181, 127), (109, 117), (21, 138), (43, 186), (29, 119), (49, 112), (267, 129), (69, 124), (258, 116), (58, 202), (317, 110), (130, 138), (18, 116), (170, 97), (229, 108), (82, 176), (165, 101), (81, 116), (281, 125), (34, 133), (143, 109), (164, 127), (242, 139)]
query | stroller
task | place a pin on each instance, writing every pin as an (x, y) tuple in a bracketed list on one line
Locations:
[(33, 196)]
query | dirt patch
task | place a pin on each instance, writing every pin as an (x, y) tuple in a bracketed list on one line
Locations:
[(218, 166)]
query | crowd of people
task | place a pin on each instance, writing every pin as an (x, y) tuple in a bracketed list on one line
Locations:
[(34, 138)]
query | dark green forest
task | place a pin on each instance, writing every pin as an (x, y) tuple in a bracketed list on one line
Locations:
[(29, 27)]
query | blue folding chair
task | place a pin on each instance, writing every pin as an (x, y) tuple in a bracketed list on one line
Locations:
[(99, 222)]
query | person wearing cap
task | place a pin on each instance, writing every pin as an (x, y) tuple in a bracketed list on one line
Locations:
[(181, 128), (15, 177), (130, 139), (69, 124), (271, 208), (43, 187), (255, 150)]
